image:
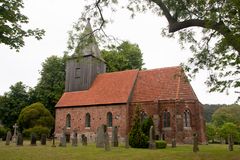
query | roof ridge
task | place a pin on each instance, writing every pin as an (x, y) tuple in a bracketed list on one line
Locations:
[(171, 67)]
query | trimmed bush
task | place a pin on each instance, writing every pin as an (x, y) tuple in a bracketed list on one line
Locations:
[(38, 130), (3, 132), (161, 144)]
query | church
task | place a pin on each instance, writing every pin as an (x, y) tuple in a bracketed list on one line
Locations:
[(93, 97)]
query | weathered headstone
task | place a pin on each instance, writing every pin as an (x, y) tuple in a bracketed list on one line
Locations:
[(127, 142), (174, 143), (195, 142), (74, 139), (230, 142), (19, 139), (152, 144), (63, 139), (53, 141), (8, 138), (14, 138), (100, 136), (33, 139), (106, 142), (84, 140), (43, 139), (115, 136)]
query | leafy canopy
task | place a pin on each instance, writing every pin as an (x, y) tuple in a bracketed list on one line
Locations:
[(215, 44), (123, 57), (35, 115), (12, 33)]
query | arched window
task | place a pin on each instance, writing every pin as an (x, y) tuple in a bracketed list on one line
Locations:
[(186, 118), (88, 120), (68, 121), (109, 119), (166, 119)]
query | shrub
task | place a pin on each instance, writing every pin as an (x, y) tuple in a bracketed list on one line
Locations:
[(161, 144), (38, 130), (3, 132), (137, 139)]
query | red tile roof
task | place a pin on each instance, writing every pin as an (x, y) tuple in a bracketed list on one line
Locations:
[(108, 88), (116, 87), (162, 84)]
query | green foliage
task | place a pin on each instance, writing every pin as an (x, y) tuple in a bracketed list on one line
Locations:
[(211, 131), (209, 109), (160, 144), (229, 128), (12, 102), (35, 115), (226, 114), (137, 139), (125, 56), (146, 125), (11, 21), (38, 130), (3, 132), (51, 84)]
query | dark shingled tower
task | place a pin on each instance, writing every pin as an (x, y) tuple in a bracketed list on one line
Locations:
[(82, 70)]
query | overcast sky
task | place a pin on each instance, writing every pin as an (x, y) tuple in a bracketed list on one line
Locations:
[(57, 17)]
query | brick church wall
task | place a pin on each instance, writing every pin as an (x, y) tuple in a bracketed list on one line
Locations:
[(98, 117)]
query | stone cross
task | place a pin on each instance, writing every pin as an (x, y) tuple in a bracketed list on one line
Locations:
[(15, 127), (106, 141), (174, 144), (84, 140), (53, 141), (63, 139), (74, 139)]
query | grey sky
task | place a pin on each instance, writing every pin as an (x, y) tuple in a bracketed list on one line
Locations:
[(57, 17)]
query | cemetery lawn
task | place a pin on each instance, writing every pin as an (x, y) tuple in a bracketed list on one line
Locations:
[(90, 152)]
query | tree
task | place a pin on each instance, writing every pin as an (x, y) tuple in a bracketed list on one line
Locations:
[(217, 50), (51, 84), (211, 132), (209, 109), (12, 102), (35, 115), (137, 139), (226, 114), (229, 129), (12, 33), (123, 57)]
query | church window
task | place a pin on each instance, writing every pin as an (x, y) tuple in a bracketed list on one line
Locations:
[(186, 118), (109, 119), (88, 120), (166, 119), (77, 73), (68, 121)]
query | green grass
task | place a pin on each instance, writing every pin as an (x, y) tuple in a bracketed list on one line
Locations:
[(183, 152)]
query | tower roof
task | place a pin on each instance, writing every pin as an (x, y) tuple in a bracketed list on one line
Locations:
[(87, 44)]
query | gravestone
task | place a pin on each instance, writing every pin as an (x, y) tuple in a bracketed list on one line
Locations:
[(174, 143), (195, 142), (19, 139), (33, 139), (115, 136), (8, 138), (74, 139), (43, 139), (67, 135), (14, 138), (53, 141), (106, 141), (100, 136), (230, 142), (84, 140), (127, 142), (152, 144), (63, 139)]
